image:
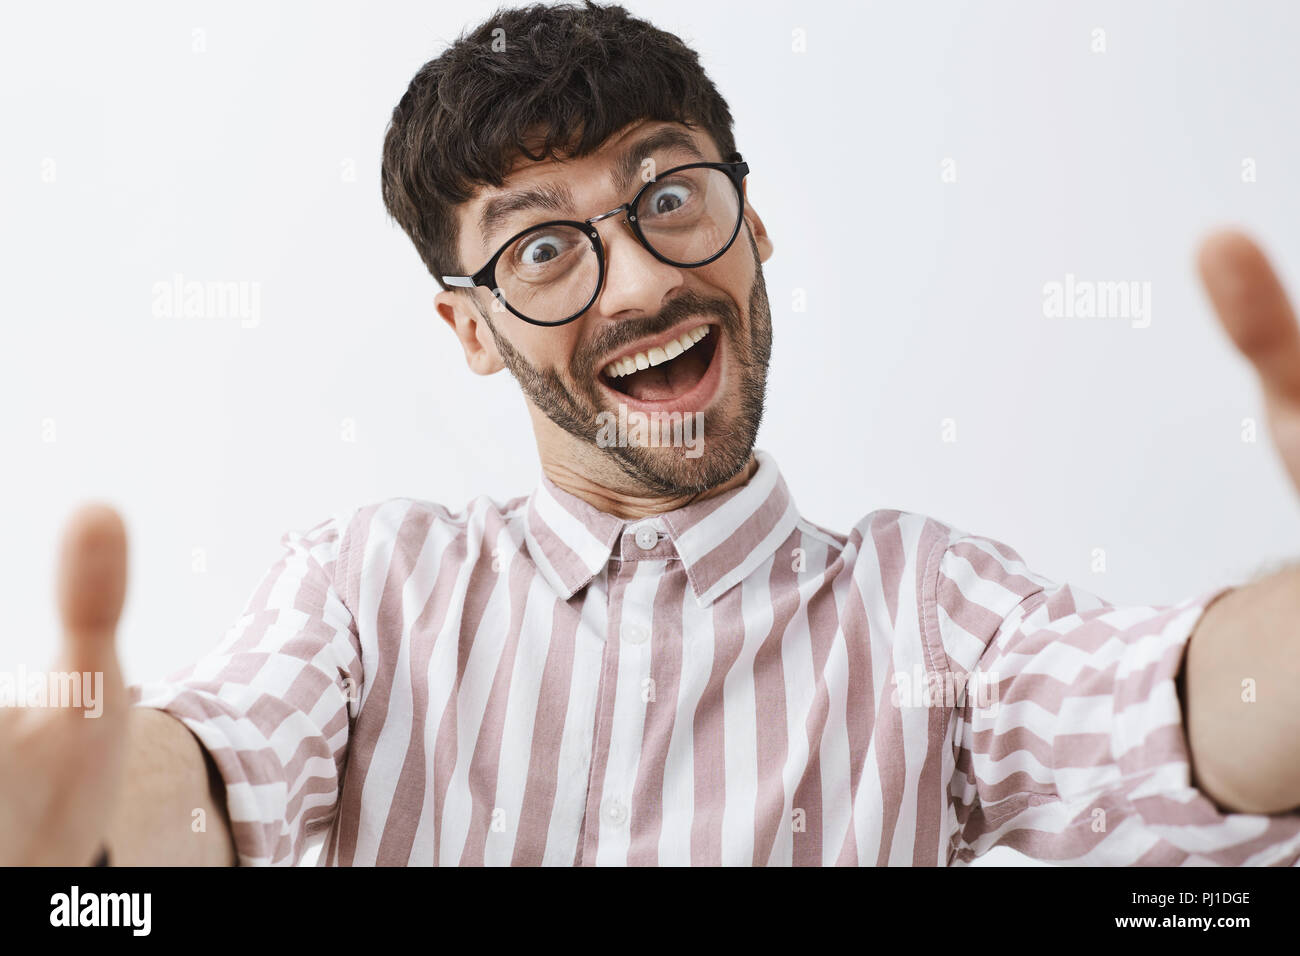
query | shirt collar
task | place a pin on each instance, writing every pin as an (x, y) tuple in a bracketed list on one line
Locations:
[(719, 540)]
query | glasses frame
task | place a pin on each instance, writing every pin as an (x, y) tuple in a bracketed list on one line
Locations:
[(486, 276)]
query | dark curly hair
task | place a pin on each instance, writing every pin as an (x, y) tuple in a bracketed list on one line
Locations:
[(569, 76)]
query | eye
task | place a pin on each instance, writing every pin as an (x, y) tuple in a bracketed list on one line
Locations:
[(668, 198), (541, 249), (546, 254)]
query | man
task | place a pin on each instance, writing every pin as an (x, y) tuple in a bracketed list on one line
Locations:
[(653, 658)]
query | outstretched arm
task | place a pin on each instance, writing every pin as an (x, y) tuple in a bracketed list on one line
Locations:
[(77, 776), (1241, 674)]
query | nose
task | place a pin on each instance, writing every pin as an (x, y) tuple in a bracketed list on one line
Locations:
[(634, 279)]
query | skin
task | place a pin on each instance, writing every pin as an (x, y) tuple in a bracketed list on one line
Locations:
[(1246, 755), (134, 777)]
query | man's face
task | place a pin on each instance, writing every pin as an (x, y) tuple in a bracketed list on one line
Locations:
[(701, 408)]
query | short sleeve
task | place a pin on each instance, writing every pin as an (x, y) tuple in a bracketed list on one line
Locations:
[(273, 702), (1069, 743)]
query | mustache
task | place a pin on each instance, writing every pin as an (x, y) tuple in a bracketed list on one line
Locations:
[(623, 333)]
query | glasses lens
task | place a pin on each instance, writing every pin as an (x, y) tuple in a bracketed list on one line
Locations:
[(690, 215), (549, 274)]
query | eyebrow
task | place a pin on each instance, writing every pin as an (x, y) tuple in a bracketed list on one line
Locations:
[(627, 169), (558, 199), (555, 197)]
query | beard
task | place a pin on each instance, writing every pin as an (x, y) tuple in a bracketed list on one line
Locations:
[(727, 444)]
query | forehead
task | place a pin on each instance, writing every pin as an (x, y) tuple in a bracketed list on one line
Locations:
[(561, 188)]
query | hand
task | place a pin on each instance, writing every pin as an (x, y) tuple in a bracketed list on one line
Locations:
[(61, 771), (1254, 310)]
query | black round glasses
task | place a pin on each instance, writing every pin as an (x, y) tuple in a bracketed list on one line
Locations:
[(552, 272)]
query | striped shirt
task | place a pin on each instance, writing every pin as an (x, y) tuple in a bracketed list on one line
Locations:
[(542, 683)]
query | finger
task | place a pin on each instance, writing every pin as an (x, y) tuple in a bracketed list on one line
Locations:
[(1253, 308), (92, 586)]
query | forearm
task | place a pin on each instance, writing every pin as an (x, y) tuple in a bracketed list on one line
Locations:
[(1241, 678), (171, 811)]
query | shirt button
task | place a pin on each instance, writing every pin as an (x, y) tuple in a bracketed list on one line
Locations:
[(616, 813), (637, 634), (646, 537)]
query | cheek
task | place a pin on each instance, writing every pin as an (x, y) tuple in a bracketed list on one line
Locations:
[(732, 281), (547, 348), (733, 274)]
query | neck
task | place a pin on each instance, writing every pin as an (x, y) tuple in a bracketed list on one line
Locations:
[(631, 506)]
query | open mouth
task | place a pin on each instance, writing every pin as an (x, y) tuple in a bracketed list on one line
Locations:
[(666, 372)]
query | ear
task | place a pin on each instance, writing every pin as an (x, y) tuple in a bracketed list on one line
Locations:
[(761, 238), (461, 313)]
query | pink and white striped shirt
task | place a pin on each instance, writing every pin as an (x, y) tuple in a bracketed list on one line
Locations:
[(538, 682)]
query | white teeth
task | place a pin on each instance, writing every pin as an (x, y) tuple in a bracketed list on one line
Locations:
[(657, 355)]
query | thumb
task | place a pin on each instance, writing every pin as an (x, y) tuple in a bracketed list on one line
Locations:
[(1253, 309), (92, 586)]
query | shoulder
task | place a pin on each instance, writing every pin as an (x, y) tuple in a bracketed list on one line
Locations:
[(952, 574), (895, 536), (892, 537), (405, 523), (391, 537)]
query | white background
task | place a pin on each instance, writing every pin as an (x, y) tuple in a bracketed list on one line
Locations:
[(129, 157)]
